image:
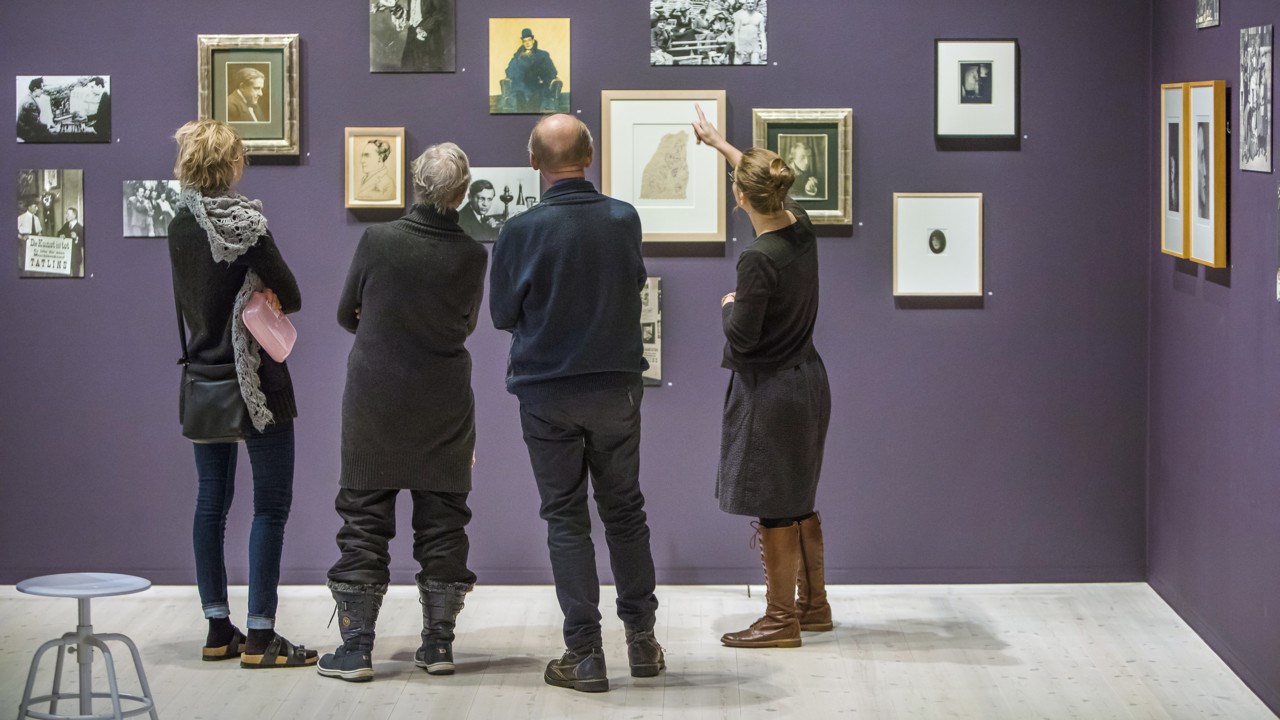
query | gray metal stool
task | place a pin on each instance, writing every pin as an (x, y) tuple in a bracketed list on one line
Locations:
[(83, 587)]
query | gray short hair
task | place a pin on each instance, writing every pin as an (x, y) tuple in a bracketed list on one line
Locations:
[(441, 174)]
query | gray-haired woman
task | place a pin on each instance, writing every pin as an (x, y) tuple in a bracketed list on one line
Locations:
[(408, 416)]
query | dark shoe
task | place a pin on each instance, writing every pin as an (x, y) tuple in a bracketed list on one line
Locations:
[(280, 653), (583, 671), (233, 648), (357, 609), (441, 602), (812, 609), (780, 555), (645, 654)]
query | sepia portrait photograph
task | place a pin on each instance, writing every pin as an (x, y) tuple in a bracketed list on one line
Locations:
[(975, 83), (64, 108), (412, 36), (806, 155), (1255, 98), (1207, 13), (147, 206), (529, 64), (51, 233), (249, 96), (251, 83), (1173, 164), (496, 195), (374, 167), (711, 32)]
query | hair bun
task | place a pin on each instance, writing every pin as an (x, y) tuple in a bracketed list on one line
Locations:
[(781, 176)]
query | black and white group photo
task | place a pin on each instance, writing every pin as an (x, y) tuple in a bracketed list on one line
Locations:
[(1255, 98), (708, 32), (411, 36), (148, 206), (1207, 13), (64, 108)]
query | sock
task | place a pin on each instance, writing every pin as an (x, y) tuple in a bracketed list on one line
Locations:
[(220, 632), (257, 641)]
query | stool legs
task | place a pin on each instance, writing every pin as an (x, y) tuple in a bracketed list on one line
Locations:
[(137, 665), (31, 678)]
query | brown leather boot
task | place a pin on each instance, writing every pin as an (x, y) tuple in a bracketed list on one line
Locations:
[(812, 608), (780, 553)]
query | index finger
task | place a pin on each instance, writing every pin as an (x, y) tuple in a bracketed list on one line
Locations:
[(698, 108)]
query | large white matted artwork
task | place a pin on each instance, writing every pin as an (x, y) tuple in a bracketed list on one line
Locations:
[(496, 195), (1255, 98), (651, 159), (1174, 189), (937, 244), (976, 89), (51, 234), (1206, 165), (651, 329), (708, 32)]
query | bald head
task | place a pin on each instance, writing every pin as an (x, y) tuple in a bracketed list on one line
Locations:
[(560, 145)]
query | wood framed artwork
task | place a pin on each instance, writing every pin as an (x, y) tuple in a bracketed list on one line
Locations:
[(976, 94), (251, 83), (1174, 189), (937, 244), (650, 158), (374, 176), (1207, 163), (818, 146), (651, 329)]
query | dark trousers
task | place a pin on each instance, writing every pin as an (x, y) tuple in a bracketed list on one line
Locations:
[(596, 432), (440, 543), (271, 455)]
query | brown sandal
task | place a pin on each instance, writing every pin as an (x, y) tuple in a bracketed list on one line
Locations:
[(279, 653), (225, 652)]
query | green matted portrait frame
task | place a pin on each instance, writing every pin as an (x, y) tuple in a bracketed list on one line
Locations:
[(826, 135), (273, 127)]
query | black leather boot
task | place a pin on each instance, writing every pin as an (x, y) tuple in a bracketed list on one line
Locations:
[(357, 613), (582, 670), (644, 653), (441, 602)]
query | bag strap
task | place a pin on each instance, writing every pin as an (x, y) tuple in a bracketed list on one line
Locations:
[(182, 329)]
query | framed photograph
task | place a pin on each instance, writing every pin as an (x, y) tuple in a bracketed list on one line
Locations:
[(1255, 98), (1207, 13), (651, 159), (412, 35), (374, 176), (651, 329), (64, 108), (51, 233), (529, 65), (1206, 165), (976, 94), (1174, 190), (708, 33), (818, 146), (148, 206), (496, 195), (251, 82), (937, 244)]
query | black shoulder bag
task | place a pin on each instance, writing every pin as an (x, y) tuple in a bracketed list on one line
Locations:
[(209, 403)]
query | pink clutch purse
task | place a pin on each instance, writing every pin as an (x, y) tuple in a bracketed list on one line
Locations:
[(271, 329)]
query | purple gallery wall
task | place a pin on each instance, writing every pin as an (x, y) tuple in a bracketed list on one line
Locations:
[(1003, 443), (1215, 385)]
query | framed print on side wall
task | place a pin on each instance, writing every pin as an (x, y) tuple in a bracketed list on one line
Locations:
[(1174, 188), (1207, 166), (976, 94), (374, 167), (818, 146), (652, 160), (937, 244), (1255, 98), (251, 83)]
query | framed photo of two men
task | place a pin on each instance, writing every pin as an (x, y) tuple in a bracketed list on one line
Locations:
[(251, 83), (817, 144)]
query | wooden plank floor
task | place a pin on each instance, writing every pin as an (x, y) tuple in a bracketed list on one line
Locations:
[(910, 652)]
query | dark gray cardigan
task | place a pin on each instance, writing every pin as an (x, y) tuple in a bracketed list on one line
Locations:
[(408, 416)]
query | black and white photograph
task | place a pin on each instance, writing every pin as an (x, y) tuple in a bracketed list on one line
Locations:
[(1255, 98), (708, 32), (147, 206), (806, 155), (651, 329), (937, 241), (51, 232), (1174, 165), (64, 108), (412, 36), (975, 83), (1207, 13), (1202, 170), (496, 195)]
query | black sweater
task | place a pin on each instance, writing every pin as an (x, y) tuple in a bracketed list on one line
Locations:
[(206, 292)]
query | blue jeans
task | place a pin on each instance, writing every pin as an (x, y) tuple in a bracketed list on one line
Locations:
[(271, 455)]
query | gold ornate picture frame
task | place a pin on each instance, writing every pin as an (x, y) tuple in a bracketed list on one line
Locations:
[(251, 83), (817, 143)]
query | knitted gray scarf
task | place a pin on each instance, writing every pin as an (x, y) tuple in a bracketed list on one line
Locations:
[(233, 224)]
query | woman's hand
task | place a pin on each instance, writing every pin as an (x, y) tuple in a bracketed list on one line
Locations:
[(728, 298), (272, 300), (705, 131)]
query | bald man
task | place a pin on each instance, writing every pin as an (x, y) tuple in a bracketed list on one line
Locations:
[(565, 281)]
